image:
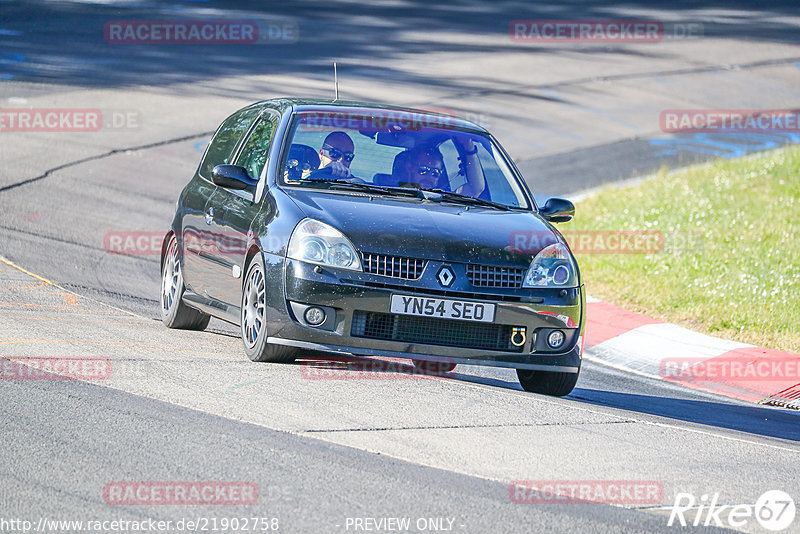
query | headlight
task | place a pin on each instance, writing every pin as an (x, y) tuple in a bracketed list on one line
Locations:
[(317, 242), (552, 267)]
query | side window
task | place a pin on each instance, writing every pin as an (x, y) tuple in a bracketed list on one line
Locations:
[(223, 143), (254, 154)]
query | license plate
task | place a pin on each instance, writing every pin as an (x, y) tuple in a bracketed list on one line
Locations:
[(463, 310)]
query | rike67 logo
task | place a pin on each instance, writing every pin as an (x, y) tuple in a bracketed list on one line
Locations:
[(774, 510)]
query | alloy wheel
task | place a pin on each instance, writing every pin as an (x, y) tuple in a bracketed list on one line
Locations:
[(253, 306)]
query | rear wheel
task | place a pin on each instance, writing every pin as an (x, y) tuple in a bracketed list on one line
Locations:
[(174, 313), (547, 382), (253, 318), (433, 368)]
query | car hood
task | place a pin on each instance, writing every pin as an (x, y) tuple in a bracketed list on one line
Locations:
[(430, 230)]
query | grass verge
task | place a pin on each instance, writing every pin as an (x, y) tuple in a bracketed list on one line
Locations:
[(730, 262)]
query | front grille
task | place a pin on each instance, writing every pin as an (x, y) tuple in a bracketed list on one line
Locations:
[(394, 266), (492, 276), (410, 329)]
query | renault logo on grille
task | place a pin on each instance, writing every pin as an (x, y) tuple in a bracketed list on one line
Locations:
[(445, 276)]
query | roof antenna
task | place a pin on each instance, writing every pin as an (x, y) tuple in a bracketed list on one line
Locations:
[(335, 82)]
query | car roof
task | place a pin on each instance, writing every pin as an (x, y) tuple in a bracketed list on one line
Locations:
[(352, 106)]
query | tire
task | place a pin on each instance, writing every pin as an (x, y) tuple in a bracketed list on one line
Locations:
[(547, 382), (174, 313), (253, 318), (433, 368)]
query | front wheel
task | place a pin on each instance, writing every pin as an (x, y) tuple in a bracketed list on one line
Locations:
[(547, 382), (253, 318), (174, 313)]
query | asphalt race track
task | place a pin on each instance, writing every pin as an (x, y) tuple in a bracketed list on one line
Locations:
[(441, 451)]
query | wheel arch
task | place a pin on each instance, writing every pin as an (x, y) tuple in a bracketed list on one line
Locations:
[(164, 245), (253, 250)]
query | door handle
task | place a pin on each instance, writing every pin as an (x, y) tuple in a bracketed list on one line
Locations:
[(210, 216)]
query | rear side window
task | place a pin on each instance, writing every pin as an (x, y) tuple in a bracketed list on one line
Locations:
[(221, 148)]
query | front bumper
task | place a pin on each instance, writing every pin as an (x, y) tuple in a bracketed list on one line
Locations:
[(348, 295)]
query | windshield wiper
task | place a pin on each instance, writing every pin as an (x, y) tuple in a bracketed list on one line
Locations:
[(466, 199), (338, 183)]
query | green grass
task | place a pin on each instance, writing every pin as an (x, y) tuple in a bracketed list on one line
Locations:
[(731, 260)]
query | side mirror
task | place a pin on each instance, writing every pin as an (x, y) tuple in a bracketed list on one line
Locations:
[(233, 177), (557, 210)]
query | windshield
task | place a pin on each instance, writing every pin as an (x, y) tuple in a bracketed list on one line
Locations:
[(394, 149)]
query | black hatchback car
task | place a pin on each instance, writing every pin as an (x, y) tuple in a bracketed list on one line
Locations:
[(369, 230)]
